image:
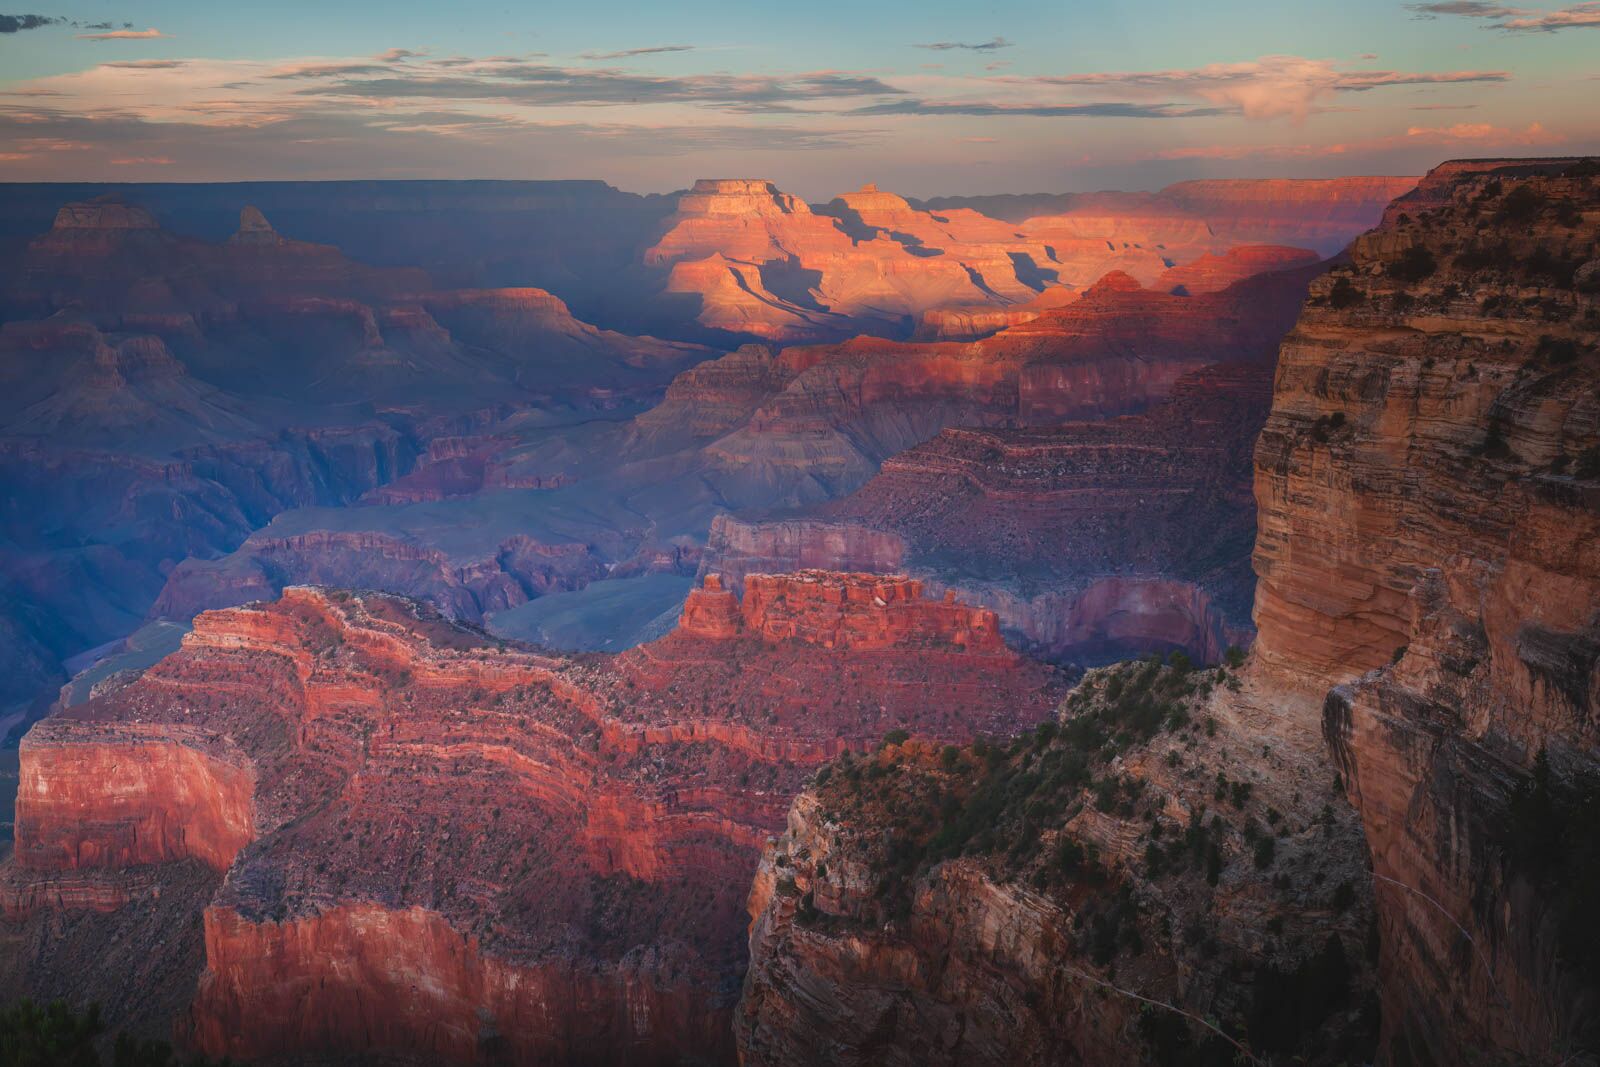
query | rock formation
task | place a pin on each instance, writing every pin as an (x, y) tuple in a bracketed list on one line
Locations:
[(1211, 272), (762, 263), (1429, 513), (165, 396), (1092, 540), (1427, 644), (441, 846), (1166, 897)]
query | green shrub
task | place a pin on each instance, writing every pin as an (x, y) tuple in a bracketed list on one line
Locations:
[(1344, 295), (1415, 264)]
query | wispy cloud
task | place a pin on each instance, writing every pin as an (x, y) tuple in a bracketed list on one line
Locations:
[(527, 83), (1576, 17), (1515, 19), (628, 53), (1472, 9), (980, 46), (18, 23), (1266, 88), (1475, 136), (1106, 110), (122, 35)]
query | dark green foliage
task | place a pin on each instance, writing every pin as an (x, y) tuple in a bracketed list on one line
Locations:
[(1234, 657), (1479, 257), (56, 1036), (1170, 1040), (1343, 897), (1325, 426), (1553, 839), (1266, 851), (895, 737), (1344, 295), (1290, 1006), (1556, 351), (1521, 205), (1414, 264), (1111, 925)]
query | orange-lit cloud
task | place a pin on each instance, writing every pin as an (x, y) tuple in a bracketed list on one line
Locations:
[(1269, 87), (122, 35)]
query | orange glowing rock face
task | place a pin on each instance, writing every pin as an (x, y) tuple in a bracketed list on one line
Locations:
[(555, 848), (763, 263)]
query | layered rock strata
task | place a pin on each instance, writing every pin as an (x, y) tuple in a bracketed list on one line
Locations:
[(442, 847)]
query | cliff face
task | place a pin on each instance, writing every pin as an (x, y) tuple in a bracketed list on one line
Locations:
[(1429, 517), (161, 397), (536, 857), (1091, 540), (759, 262), (1060, 899), (1426, 603)]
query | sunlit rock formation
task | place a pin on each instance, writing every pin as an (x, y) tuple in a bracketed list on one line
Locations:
[(439, 845)]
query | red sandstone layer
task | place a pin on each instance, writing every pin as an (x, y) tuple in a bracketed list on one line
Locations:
[(539, 857)]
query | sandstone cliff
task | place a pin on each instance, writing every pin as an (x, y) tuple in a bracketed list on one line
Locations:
[(1092, 540), (440, 846), (1137, 882), (754, 261), (1427, 595), (1429, 517)]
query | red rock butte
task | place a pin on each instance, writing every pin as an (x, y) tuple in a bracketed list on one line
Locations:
[(409, 815), (841, 611)]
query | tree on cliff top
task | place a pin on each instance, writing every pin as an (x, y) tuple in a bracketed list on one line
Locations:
[(56, 1036)]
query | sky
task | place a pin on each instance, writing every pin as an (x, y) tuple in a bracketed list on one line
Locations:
[(925, 97)]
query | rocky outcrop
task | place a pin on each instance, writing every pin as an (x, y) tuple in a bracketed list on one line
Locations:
[(1212, 273), (537, 857), (1092, 541), (1426, 602), (1429, 508), (761, 263), (90, 797), (971, 323), (1046, 902), (833, 413), (466, 589)]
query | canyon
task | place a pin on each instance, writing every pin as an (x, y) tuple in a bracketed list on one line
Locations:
[(745, 257), (343, 764), (201, 409), (1066, 531), (1038, 630), (1424, 669)]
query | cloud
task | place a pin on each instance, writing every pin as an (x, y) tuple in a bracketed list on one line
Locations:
[(1515, 19), (627, 53), (398, 55), (527, 83), (1483, 136), (1483, 133), (1106, 110), (982, 46), (1472, 9), (18, 23), (122, 35), (146, 64), (1266, 88), (1575, 17)]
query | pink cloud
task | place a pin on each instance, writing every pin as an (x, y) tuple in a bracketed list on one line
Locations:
[(122, 35), (1269, 87)]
